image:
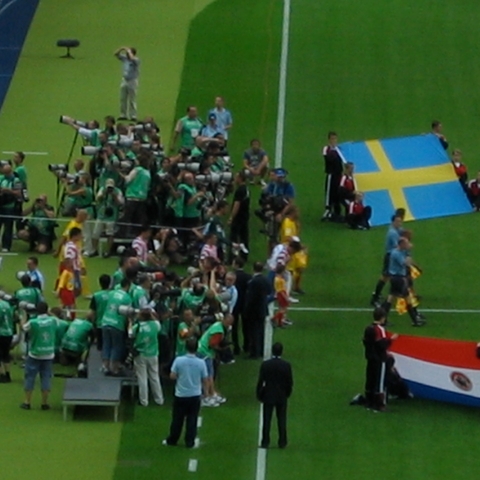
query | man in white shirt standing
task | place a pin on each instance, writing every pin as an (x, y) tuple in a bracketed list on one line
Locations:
[(129, 85)]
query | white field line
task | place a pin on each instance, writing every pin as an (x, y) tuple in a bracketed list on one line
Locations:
[(261, 470), (8, 152), (192, 465), (351, 309)]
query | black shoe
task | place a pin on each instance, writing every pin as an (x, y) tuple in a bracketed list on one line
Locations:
[(122, 119), (45, 406), (3, 379), (264, 445), (133, 119), (418, 322), (25, 406), (9, 378), (282, 445), (93, 254)]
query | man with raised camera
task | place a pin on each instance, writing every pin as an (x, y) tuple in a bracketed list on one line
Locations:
[(129, 85), (109, 201), (39, 228), (41, 352), (10, 194), (90, 130)]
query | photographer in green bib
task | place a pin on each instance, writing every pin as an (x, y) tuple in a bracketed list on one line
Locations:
[(109, 201), (10, 195), (7, 330), (188, 204), (41, 352), (28, 293), (20, 172), (187, 128), (138, 183)]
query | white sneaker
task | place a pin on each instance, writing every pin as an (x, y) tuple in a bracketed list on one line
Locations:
[(219, 399), (209, 402), (293, 300)]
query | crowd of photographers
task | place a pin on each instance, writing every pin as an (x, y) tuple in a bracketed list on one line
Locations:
[(166, 210)]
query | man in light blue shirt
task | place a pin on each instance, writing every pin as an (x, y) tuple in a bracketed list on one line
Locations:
[(222, 115), (129, 85), (190, 374), (34, 273), (393, 236), (212, 128)]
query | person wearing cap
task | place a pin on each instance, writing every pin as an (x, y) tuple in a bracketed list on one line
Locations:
[(222, 115), (255, 161), (212, 128), (109, 200)]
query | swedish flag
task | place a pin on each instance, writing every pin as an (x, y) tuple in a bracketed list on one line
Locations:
[(414, 173)]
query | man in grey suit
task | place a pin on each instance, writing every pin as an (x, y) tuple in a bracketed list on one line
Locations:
[(274, 387)]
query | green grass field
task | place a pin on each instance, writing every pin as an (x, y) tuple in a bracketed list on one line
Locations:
[(367, 69)]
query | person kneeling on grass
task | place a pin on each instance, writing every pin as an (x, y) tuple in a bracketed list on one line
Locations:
[(358, 216), (76, 342), (145, 332), (41, 352)]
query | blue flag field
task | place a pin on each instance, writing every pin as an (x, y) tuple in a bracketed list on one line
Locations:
[(414, 173)]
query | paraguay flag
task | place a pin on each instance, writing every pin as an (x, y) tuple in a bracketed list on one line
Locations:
[(438, 369), (413, 173)]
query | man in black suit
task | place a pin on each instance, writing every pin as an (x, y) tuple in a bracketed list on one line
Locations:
[(274, 387), (241, 284), (258, 291)]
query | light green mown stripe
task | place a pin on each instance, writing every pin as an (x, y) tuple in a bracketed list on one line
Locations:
[(44, 87)]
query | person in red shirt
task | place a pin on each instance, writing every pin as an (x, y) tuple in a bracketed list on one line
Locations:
[(348, 186), (376, 341), (358, 216), (460, 169), (473, 192)]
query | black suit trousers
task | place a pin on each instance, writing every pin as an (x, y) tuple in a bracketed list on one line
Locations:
[(281, 411), (257, 336), (184, 408)]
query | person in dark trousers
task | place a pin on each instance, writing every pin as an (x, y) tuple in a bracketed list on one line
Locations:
[(333, 175), (190, 374), (376, 341), (274, 387), (240, 212), (241, 284), (258, 291)]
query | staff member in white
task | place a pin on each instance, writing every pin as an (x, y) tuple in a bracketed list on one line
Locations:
[(129, 85), (190, 372)]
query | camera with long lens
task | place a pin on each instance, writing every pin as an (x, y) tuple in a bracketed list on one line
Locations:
[(124, 165), (128, 311), (193, 167), (55, 167), (215, 178), (65, 120), (90, 150)]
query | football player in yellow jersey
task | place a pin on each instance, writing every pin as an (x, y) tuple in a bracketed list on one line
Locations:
[(290, 228)]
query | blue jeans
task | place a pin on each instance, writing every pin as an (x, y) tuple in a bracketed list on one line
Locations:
[(33, 367), (113, 348)]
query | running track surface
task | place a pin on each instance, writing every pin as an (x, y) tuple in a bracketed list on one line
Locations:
[(15, 19)]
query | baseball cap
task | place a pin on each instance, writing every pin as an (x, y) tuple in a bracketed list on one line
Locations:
[(280, 172), (212, 116)]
